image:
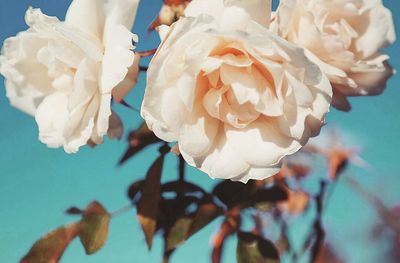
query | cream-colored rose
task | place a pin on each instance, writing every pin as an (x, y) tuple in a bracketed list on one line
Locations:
[(347, 36), (64, 73), (236, 97)]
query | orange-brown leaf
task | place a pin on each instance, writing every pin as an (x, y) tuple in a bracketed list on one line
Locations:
[(297, 202), (50, 248), (94, 227)]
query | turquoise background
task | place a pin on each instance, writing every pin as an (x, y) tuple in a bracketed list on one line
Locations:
[(37, 184)]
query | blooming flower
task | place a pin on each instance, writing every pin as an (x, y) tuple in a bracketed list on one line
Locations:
[(64, 73), (346, 36), (236, 97)]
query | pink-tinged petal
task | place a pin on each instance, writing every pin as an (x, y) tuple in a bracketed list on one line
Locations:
[(256, 173), (198, 132), (379, 33), (221, 162), (259, 10), (261, 143)]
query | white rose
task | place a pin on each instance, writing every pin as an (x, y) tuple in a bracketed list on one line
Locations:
[(347, 36), (236, 97), (64, 73)]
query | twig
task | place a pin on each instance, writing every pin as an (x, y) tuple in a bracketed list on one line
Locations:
[(122, 210), (319, 231), (147, 53)]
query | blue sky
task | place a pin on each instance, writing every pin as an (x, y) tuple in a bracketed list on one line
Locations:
[(37, 184)]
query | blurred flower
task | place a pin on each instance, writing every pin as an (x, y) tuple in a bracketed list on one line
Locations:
[(64, 73), (330, 146), (236, 97), (346, 36), (170, 12)]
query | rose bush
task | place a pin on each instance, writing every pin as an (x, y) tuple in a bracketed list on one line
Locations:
[(346, 36), (64, 73), (236, 97)]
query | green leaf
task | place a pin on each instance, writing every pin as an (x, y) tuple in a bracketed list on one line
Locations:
[(254, 249), (176, 235), (50, 248), (206, 213), (147, 207), (94, 227)]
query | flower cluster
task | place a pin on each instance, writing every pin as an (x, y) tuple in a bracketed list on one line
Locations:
[(237, 86)]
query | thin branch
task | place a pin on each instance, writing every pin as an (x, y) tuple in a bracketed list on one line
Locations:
[(122, 210), (319, 231), (182, 164), (147, 53), (143, 68)]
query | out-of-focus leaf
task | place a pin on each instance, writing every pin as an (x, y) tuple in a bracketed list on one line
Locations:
[(170, 210), (206, 213), (138, 140), (176, 235), (74, 211), (233, 193), (147, 207), (134, 189), (337, 162), (254, 249), (181, 187), (50, 248), (269, 195), (94, 227), (296, 203)]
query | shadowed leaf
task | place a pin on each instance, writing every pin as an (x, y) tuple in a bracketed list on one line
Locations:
[(134, 189), (94, 227), (138, 140), (206, 213), (269, 195), (176, 235), (254, 249), (181, 187), (50, 248), (233, 193), (147, 207)]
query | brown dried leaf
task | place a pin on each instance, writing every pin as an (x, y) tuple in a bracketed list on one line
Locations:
[(147, 207), (50, 248), (138, 140), (94, 227), (206, 213)]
